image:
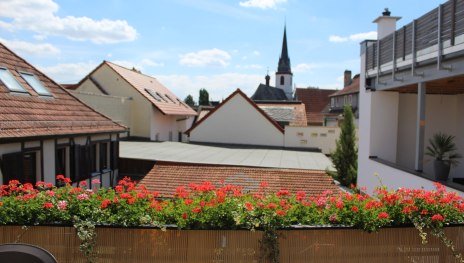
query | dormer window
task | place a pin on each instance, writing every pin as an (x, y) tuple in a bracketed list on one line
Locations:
[(10, 81), (35, 83)]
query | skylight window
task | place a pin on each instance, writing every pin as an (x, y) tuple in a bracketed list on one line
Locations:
[(167, 96), (35, 83), (153, 94), (10, 82)]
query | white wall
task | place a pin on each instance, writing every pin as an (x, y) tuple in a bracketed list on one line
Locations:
[(323, 138), (384, 125), (441, 115), (237, 122)]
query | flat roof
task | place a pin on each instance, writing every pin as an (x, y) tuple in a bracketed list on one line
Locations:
[(225, 155)]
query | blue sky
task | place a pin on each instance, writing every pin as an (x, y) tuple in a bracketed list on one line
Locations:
[(193, 44)]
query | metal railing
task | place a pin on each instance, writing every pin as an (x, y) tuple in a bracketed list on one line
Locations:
[(442, 24)]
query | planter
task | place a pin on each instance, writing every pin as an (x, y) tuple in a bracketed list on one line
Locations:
[(442, 169), (324, 244)]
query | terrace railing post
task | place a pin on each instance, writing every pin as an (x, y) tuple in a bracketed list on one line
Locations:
[(420, 126), (378, 62), (439, 42), (413, 49), (453, 21), (394, 57)]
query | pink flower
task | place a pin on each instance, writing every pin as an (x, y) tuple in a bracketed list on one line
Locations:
[(83, 183), (96, 181), (62, 205), (50, 193), (83, 197)]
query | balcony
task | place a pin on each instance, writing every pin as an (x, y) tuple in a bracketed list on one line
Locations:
[(429, 48)]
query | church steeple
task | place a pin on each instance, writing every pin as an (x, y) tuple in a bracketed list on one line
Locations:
[(284, 75), (284, 60)]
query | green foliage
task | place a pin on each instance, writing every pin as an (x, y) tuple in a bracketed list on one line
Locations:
[(189, 100), (203, 99), (345, 157), (442, 147)]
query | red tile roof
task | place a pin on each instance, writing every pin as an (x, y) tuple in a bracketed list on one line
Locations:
[(30, 115), (165, 177), (350, 89), (315, 101), (142, 82), (252, 103)]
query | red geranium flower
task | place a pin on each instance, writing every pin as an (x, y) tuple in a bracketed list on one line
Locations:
[(437, 217), (47, 205), (383, 215)]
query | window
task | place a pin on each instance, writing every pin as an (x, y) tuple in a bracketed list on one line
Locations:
[(60, 163), (93, 155), (35, 84), (167, 96), (19, 166), (282, 80), (332, 102), (10, 82), (153, 94), (104, 156)]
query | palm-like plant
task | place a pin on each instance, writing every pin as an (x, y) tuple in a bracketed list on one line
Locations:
[(443, 148)]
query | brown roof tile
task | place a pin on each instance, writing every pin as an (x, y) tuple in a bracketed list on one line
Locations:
[(350, 89), (169, 104), (315, 101), (166, 177), (29, 115)]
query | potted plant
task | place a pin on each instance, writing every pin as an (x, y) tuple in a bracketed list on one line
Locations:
[(443, 149)]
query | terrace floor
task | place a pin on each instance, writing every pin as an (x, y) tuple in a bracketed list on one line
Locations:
[(224, 155)]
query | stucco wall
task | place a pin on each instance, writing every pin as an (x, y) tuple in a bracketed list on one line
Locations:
[(441, 111), (116, 108), (237, 122), (323, 138), (373, 173), (141, 109)]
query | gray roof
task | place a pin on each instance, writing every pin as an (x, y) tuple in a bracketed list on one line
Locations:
[(225, 155), (283, 113), (264, 92)]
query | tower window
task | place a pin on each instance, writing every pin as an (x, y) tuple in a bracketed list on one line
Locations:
[(282, 80)]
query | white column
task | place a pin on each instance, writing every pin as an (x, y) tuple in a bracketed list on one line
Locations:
[(420, 127)]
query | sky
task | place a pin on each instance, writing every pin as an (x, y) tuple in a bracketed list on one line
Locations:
[(219, 45)]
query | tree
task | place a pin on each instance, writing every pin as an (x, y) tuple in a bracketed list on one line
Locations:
[(345, 157), (189, 100), (204, 98)]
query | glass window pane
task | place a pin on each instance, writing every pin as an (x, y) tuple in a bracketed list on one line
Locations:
[(35, 84), (9, 81)]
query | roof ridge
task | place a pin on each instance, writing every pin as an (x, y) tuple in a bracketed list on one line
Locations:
[(126, 68)]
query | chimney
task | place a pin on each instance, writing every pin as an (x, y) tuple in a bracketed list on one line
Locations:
[(346, 78), (386, 24), (268, 78)]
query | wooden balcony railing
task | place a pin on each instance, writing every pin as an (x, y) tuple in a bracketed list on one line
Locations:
[(402, 48)]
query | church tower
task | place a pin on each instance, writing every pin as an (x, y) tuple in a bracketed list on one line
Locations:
[(284, 75)]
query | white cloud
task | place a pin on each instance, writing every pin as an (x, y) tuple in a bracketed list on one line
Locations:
[(353, 37), (256, 53), (251, 66), (150, 63), (262, 4), (304, 67), (207, 57), (69, 72), (219, 86), (38, 49), (40, 16)]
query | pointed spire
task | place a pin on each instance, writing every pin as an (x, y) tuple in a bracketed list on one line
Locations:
[(284, 60)]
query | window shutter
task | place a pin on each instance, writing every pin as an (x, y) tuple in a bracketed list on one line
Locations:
[(11, 165)]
